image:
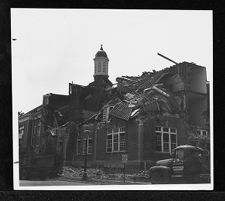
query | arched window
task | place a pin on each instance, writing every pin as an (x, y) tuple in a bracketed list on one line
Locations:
[(104, 67), (95, 68), (99, 67)]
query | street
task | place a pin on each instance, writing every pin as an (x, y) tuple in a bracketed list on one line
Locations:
[(76, 182), (56, 182)]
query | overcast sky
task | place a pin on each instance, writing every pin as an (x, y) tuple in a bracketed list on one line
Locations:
[(57, 46)]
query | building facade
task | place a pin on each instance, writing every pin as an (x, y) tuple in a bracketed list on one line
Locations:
[(38, 128), (144, 117)]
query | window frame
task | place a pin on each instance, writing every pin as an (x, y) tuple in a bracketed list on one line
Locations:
[(80, 149), (116, 132), (21, 131), (99, 67), (160, 131), (104, 67), (201, 131), (106, 111), (89, 146)]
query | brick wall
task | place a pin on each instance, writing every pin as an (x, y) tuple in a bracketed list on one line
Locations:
[(149, 137)]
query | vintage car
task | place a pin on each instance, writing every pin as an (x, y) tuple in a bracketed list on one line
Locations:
[(188, 164)]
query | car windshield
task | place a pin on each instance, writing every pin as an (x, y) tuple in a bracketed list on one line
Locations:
[(180, 154)]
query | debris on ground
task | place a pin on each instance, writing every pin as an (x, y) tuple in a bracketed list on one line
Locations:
[(95, 173), (71, 172)]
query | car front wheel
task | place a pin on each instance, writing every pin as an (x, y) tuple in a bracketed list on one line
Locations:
[(159, 177)]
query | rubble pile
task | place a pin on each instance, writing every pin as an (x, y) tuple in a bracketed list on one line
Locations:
[(95, 173), (150, 94), (72, 172), (146, 94), (142, 173)]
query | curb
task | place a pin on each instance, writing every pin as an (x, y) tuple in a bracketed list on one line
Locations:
[(101, 181)]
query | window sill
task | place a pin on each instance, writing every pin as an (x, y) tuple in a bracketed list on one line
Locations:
[(115, 152), (84, 154), (160, 152)]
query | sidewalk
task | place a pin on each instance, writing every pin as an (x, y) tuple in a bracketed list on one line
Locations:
[(102, 181)]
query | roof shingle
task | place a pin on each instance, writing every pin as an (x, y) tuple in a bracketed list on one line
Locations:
[(121, 110)]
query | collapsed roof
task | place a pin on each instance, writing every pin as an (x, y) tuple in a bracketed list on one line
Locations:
[(156, 93), (143, 94)]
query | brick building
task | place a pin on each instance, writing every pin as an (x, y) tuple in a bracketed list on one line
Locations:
[(36, 127), (144, 117)]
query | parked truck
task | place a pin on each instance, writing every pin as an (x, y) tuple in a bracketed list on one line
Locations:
[(188, 164)]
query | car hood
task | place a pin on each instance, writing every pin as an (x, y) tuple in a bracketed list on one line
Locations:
[(165, 162)]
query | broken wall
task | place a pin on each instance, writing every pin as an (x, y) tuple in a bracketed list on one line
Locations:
[(197, 79), (26, 138), (175, 83), (196, 108)]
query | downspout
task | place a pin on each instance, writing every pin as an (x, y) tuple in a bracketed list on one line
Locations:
[(95, 144), (140, 141), (65, 140)]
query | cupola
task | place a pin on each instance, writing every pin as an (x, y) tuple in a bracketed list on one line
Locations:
[(101, 63)]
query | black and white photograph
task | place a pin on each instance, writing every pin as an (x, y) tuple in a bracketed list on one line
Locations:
[(112, 99)]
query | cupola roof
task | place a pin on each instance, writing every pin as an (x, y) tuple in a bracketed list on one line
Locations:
[(101, 53)]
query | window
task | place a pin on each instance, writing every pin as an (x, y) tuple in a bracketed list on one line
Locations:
[(39, 128), (99, 67), (180, 155), (89, 146), (173, 138), (36, 132), (166, 142), (201, 132), (158, 128), (158, 142), (122, 142), (204, 133), (46, 99), (165, 129), (109, 143), (116, 140), (81, 146), (106, 111), (104, 67), (21, 132), (95, 68), (166, 139)]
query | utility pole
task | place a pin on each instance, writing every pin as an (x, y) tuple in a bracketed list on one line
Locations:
[(124, 172), (85, 154), (124, 161), (85, 161)]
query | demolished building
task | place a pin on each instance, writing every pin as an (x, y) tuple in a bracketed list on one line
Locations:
[(144, 117), (148, 116)]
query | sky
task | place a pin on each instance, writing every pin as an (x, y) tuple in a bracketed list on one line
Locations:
[(55, 47)]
